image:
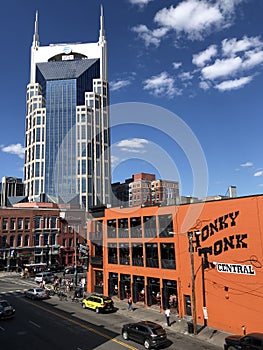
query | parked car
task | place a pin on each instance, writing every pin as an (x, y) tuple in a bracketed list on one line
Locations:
[(71, 269), (6, 309), (98, 302), (150, 334), (44, 276), (251, 341), (36, 293)]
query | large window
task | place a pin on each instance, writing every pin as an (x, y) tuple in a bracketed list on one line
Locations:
[(19, 223), (149, 226), (26, 242), (19, 240), (168, 256), (165, 225), (12, 241), (12, 224), (27, 224), (137, 254), (4, 224), (136, 227), (111, 228), (112, 253), (123, 231), (124, 254), (151, 250)]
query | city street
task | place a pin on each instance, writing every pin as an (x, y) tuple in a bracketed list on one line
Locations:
[(65, 325)]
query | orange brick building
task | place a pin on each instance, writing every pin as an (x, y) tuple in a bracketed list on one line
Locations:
[(144, 252)]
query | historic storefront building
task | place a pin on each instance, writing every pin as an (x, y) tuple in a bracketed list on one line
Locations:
[(33, 233), (203, 260)]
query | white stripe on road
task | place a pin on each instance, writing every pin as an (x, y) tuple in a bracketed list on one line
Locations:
[(34, 324)]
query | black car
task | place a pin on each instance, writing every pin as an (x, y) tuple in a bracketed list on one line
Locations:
[(71, 269), (6, 309), (251, 341), (150, 334)]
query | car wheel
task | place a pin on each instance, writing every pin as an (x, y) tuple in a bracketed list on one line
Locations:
[(83, 306), (97, 310), (231, 347), (125, 335), (147, 344)]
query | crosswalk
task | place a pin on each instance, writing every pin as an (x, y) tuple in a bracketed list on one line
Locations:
[(13, 285)]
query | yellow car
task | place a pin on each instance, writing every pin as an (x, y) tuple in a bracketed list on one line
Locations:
[(99, 303)]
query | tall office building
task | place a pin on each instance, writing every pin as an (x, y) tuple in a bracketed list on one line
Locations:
[(67, 153)]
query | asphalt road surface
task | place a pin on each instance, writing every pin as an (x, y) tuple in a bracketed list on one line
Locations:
[(55, 325)]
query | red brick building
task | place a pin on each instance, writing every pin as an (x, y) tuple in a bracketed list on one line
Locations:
[(38, 233)]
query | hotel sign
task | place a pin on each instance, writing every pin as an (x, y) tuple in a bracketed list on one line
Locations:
[(235, 268)]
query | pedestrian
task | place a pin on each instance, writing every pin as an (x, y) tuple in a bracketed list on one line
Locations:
[(167, 315), (130, 307)]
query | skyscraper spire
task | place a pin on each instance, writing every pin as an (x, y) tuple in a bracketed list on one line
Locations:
[(102, 31), (36, 42)]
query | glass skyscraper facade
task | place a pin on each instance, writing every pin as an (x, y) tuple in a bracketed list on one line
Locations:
[(67, 146)]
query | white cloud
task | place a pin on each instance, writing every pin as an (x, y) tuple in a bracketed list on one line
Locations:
[(140, 3), (134, 145), (161, 85), (150, 36), (204, 85), (233, 84), (185, 76), (114, 160), (16, 149), (118, 84), (202, 57), (194, 18), (177, 65), (247, 164), (222, 68), (252, 59), (231, 46), (258, 173)]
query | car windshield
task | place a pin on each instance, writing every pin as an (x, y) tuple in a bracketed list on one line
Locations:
[(39, 290), (4, 303)]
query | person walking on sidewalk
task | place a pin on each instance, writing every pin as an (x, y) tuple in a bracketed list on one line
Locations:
[(130, 307), (167, 315)]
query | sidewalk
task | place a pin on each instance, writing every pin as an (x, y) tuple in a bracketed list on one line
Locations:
[(178, 325)]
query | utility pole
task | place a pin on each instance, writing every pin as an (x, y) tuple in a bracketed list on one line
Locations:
[(75, 258), (193, 302)]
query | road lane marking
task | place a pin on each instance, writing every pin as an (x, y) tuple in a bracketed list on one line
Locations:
[(93, 330), (34, 324)]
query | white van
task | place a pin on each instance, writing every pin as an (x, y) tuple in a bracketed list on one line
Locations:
[(44, 276)]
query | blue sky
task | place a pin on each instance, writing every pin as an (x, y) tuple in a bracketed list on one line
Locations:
[(186, 83)]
